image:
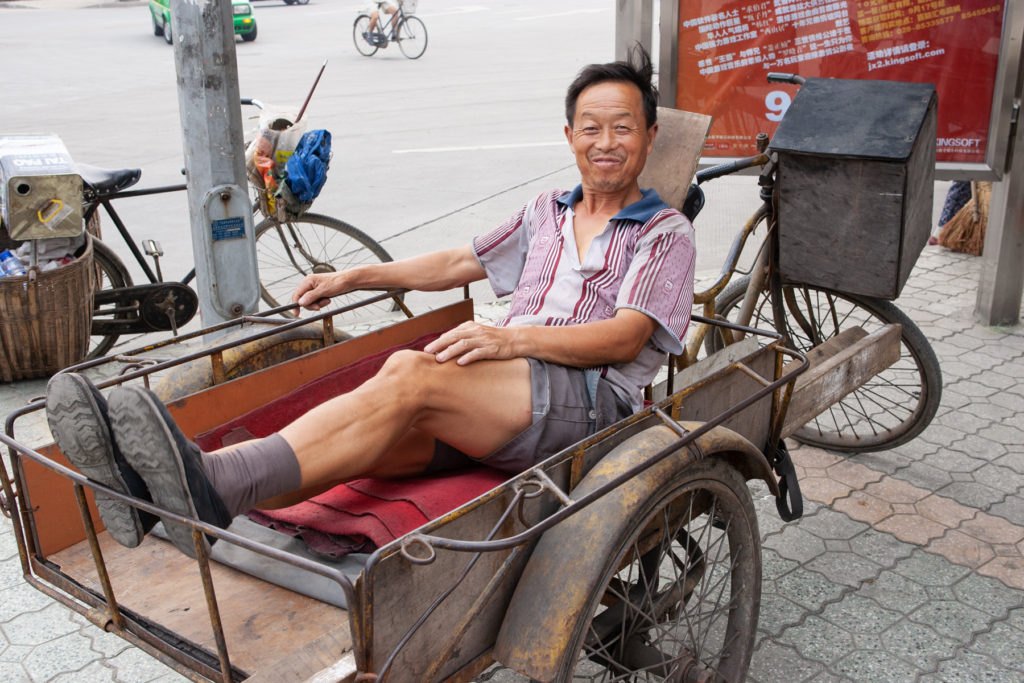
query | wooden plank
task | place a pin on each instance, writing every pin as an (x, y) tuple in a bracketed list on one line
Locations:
[(263, 623), (839, 366), (706, 367), (714, 398), (677, 148), (317, 662)]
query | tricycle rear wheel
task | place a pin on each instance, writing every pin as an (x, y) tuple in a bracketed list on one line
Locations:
[(680, 599)]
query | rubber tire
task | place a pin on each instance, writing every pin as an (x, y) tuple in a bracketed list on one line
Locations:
[(279, 276), (409, 30), (158, 30), (361, 26), (111, 274), (168, 37), (250, 36), (735, 512), (831, 429)]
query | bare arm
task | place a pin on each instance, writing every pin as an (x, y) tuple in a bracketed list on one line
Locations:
[(603, 342), (431, 272)]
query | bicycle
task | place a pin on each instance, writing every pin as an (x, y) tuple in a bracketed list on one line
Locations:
[(287, 249), (890, 409), (401, 27)]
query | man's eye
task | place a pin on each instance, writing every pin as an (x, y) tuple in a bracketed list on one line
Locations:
[(622, 130), (589, 130)]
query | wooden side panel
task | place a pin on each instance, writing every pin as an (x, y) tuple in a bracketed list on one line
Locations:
[(838, 366), (54, 511), (714, 398)]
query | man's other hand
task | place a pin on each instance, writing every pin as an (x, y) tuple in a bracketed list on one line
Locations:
[(471, 342)]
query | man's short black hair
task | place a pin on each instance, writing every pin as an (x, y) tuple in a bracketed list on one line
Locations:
[(637, 69)]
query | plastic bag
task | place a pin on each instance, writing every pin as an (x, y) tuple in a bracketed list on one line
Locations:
[(267, 154), (307, 166)]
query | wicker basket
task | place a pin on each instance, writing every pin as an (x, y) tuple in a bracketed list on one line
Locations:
[(45, 320)]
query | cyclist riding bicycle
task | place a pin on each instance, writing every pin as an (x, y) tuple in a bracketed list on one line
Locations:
[(388, 7)]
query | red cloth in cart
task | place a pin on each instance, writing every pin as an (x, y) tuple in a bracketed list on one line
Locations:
[(367, 513)]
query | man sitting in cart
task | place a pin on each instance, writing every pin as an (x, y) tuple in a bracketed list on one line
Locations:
[(601, 285)]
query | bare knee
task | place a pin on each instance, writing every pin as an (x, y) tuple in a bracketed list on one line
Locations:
[(409, 372)]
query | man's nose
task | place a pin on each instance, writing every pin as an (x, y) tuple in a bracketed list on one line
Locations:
[(606, 140)]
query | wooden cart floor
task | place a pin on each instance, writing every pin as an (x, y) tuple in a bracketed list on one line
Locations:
[(267, 628)]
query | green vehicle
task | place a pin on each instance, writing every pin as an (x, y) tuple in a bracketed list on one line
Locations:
[(241, 10)]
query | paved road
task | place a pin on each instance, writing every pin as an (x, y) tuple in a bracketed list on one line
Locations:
[(908, 564)]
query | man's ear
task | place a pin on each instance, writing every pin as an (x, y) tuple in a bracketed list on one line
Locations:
[(568, 134), (652, 132)]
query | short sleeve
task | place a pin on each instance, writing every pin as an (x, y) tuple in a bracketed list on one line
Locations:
[(502, 251), (659, 281)]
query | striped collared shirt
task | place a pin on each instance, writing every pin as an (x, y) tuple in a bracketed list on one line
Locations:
[(644, 260)]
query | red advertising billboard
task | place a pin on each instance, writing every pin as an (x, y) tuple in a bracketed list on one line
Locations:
[(726, 47)]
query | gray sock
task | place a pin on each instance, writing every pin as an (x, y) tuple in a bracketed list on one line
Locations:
[(252, 472)]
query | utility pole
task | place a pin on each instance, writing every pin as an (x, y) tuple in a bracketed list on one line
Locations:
[(223, 243)]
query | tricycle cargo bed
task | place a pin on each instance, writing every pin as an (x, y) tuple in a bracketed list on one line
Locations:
[(430, 605)]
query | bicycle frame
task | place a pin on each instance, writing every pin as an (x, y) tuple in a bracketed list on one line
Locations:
[(392, 24), (105, 202)]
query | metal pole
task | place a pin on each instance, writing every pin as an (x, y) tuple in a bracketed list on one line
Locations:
[(1001, 282), (633, 21), (211, 121), (668, 52)]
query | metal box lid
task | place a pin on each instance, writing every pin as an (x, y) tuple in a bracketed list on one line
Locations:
[(854, 118)]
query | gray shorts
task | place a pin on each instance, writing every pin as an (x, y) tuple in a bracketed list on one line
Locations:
[(563, 413)]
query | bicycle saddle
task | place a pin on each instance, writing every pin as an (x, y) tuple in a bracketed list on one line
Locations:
[(102, 181)]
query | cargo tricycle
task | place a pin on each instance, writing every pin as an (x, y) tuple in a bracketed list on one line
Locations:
[(633, 554)]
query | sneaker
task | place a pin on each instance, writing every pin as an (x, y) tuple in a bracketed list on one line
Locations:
[(168, 462), (78, 418)]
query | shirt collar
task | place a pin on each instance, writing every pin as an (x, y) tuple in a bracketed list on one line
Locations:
[(640, 211)]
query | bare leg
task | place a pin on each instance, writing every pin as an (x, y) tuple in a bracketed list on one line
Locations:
[(416, 449), (476, 408)]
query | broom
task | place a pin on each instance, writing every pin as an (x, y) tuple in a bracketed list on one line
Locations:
[(965, 231)]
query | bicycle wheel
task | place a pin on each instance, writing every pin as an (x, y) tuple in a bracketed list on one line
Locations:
[(287, 252), (412, 37), (360, 32), (110, 274), (894, 406), (680, 599)]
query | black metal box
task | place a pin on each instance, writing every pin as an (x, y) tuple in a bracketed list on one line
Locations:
[(856, 162)]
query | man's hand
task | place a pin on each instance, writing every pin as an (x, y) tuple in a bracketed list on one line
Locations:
[(315, 290), (472, 341)]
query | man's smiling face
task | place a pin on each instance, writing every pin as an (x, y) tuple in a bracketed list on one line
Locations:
[(609, 136)]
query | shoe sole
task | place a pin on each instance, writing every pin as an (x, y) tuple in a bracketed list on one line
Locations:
[(79, 429), (148, 446)]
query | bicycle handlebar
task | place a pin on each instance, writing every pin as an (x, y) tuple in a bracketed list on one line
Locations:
[(730, 167), (776, 77)]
